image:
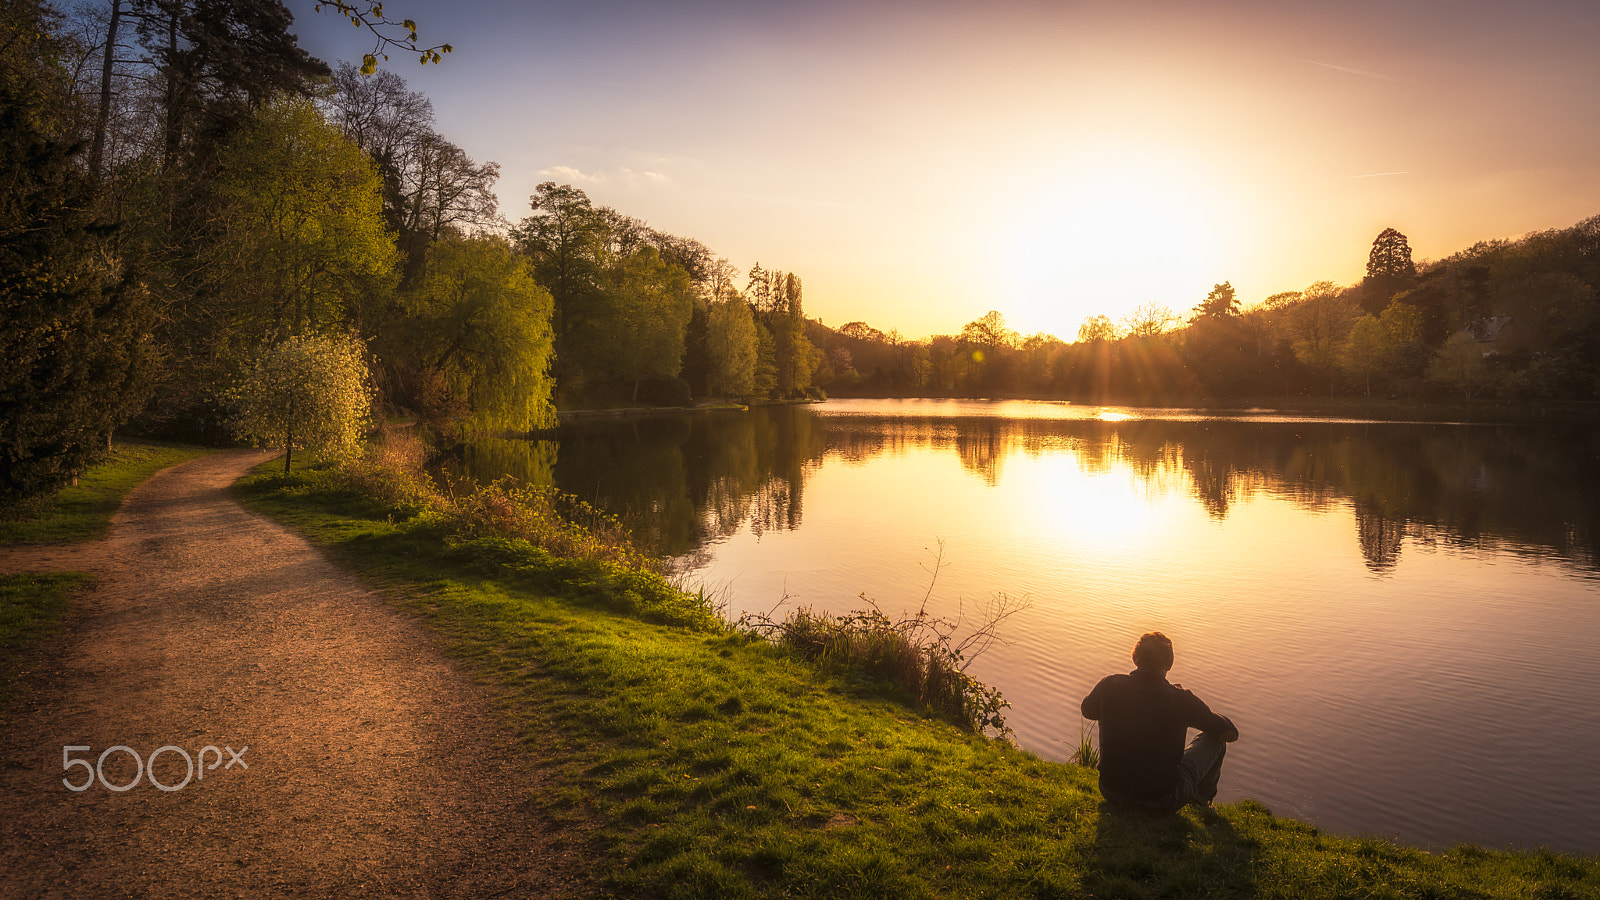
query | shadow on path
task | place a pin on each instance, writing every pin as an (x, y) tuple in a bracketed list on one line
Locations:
[(374, 769)]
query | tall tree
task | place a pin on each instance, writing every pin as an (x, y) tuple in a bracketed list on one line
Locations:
[(74, 357), (1222, 303), (301, 234), (650, 308), (1389, 270), (1096, 329), (563, 237), (478, 320), (218, 62), (732, 346)]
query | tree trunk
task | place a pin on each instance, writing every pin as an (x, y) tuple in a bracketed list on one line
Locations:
[(97, 148)]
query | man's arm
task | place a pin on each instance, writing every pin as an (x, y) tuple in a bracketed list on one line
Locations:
[(1092, 704), (1208, 722), (1225, 730)]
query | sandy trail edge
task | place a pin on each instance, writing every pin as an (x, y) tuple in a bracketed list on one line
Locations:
[(376, 769)]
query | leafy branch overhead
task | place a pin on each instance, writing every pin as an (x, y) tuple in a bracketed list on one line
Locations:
[(401, 35)]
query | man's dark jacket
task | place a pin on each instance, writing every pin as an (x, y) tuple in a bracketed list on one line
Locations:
[(1144, 722)]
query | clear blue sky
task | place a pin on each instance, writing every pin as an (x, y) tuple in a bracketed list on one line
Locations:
[(919, 163)]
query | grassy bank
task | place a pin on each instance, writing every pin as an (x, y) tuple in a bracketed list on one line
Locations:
[(83, 512), (698, 762), (32, 606)]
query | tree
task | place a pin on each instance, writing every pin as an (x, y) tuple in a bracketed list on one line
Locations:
[(1317, 325), (1096, 329), (1389, 270), (301, 234), (1459, 364), (861, 331), (308, 391), (563, 238), (430, 185), (1386, 344), (219, 61), (988, 332), (479, 320), (74, 321), (731, 346), (1222, 303), (1149, 320), (645, 315)]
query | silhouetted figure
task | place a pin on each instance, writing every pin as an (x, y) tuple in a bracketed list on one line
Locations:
[(1144, 721)]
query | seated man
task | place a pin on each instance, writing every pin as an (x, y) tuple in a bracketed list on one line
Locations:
[(1143, 723)]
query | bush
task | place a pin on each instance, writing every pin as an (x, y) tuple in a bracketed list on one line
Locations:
[(916, 655)]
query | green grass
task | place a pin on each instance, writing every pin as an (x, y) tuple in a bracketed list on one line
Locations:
[(33, 605), (83, 512), (31, 609), (692, 761)]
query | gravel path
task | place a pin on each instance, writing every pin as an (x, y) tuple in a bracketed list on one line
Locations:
[(375, 768)]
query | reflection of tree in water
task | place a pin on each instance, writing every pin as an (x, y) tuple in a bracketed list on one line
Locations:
[(982, 445), (1380, 536), (530, 462), (683, 481), (679, 481)]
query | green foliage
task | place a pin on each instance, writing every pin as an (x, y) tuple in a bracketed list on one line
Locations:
[(301, 235), (310, 391), (32, 606), (1459, 364), (732, 346), (1388, 344), (74, 324), (477, 317), (639, 327), (83, 511), (1389, 270), (917, 655)]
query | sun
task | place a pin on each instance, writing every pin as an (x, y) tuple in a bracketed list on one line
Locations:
[(1101, 237)]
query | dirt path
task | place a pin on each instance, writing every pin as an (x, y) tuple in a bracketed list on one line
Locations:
[(375, 769)]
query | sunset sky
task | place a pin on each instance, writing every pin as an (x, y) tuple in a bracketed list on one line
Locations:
[(919, 163)]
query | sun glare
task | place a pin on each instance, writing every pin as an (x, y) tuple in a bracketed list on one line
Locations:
[(1105, 509), (1101, 238)]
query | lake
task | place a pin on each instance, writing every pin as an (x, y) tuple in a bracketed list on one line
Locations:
[(1400, 617)]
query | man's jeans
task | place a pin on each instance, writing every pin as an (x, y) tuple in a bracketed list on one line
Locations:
[(1197, 778)]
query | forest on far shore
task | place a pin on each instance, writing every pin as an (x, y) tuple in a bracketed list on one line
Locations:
[(206, 233), (1514, 320)]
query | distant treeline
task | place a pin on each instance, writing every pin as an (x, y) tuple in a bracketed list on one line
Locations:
[(186, 189), (1517, 320)]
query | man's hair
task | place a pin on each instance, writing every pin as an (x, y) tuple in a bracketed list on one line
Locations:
[(1154, 651)]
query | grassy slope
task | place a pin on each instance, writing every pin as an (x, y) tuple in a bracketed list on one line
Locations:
[(31, 609), (33, 605), (705, 764), (83, 512)]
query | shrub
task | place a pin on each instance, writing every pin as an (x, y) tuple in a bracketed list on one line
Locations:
[(917, 655)]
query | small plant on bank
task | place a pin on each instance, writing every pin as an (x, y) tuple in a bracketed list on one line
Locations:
[(917, 654), (1085, 753)]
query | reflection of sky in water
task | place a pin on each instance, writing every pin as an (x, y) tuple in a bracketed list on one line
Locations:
[(1435, 689)]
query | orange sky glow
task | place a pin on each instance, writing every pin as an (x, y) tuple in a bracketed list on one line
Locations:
[(918, 164)]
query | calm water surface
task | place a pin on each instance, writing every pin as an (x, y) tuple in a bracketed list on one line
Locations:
[(1401, 618)]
